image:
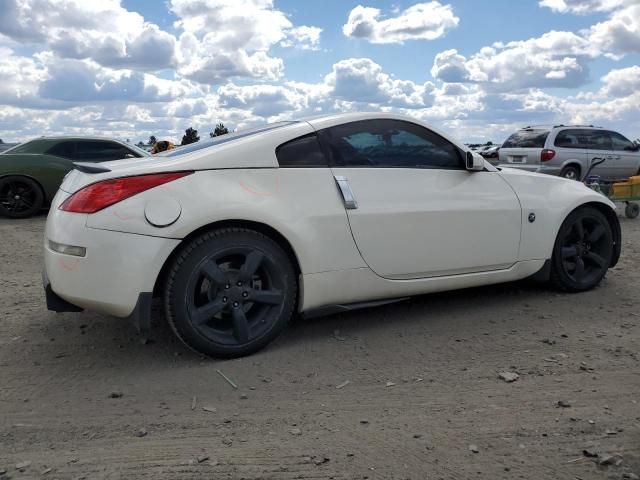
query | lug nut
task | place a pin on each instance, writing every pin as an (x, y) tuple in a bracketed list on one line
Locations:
[(245, 294), (239, 284), (227, 286), (224, 299), (235, 304)]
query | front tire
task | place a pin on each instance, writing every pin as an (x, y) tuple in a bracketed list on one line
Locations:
[(582, 252), (230, 292), (20, 197)]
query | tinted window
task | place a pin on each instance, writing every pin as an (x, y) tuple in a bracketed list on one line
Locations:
[(389, 143), (62, 149), (220, 139), (100, 151), (33, 146), (599, 140), (529, 138), (620, 143), (301, 152)]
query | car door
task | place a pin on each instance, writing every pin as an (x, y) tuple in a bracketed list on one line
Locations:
[(413, 209), (600, 146), (571, 150), (626, 158)]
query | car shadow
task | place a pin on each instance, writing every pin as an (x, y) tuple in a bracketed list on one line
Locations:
[(97, 340)]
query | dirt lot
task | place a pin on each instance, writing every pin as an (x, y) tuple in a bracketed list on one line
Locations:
[(423, 387)]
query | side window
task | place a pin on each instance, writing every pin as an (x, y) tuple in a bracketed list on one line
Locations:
[(301, 152), (619, 142), (62, 149), (389, 143), (100, 151), (599, 140), (571, 139)]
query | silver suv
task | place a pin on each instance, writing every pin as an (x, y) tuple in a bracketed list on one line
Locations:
[(568, 151)]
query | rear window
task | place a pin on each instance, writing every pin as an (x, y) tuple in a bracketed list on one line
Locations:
[(220, 139), (527, 139)]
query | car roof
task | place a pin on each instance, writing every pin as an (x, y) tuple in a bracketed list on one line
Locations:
[(551, 127), (79, 137)]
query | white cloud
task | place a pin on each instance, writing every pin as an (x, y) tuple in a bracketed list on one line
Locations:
[(362, 80), (556, 59), (103, 31), (422, 21), (303, 37), (621, 82), (620, 34), (224, 39), (583, 6)]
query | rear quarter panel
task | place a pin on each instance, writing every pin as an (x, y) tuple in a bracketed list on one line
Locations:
[(302, 204), (550, 199), (47, 170)]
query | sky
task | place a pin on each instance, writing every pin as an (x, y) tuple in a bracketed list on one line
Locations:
[(475, 69)]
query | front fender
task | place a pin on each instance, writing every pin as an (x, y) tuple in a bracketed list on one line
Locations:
[(546, 202)]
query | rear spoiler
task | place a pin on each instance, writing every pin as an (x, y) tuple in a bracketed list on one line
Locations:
[(90, 167)]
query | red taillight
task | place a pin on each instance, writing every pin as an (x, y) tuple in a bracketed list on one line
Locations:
[(547, 155), (100, 195)]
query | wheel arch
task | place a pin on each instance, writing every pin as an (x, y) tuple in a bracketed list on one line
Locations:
[(45, 199), (260, 227), (572, 163), (30, 177)]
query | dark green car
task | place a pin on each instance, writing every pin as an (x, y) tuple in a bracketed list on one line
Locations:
[(31, 173)]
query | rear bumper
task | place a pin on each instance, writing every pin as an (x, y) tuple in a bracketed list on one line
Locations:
[(117, 268), (56, 303)]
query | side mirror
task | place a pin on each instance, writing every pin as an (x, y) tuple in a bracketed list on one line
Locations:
[(475, 162)]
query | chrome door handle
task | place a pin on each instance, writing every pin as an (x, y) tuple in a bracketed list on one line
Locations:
[(350, 202)]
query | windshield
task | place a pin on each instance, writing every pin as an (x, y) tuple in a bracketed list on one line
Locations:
[(529, 138), (193, 147)]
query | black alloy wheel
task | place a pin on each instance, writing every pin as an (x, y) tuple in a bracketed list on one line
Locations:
[(583, 251), (230, 292), (20, 197)]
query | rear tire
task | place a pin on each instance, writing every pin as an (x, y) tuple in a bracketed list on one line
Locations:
[(582, 252), (632, 210), (20, 197), (571, 173), (230, 292)]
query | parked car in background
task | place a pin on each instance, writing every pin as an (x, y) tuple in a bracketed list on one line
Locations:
[(31, 172), (568, 151), (491, 152), (338, 212)]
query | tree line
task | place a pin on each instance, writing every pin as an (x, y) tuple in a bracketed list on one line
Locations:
[(191, 135)]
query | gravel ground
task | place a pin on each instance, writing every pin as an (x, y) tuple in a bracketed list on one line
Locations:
[(82, 396)]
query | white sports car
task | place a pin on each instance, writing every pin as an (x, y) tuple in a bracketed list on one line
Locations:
[(240, 232)]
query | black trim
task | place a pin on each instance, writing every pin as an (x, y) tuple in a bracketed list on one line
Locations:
[(54, 302), (341, 308), (90, 167), (544, 274), (141, 315)]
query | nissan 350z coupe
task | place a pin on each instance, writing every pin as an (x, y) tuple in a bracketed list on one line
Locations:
[(238, 233)]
